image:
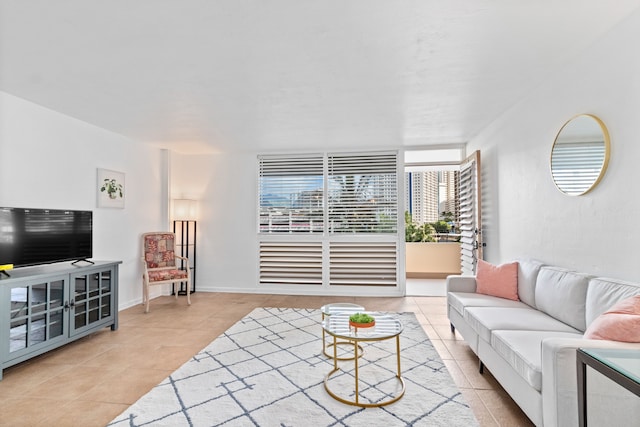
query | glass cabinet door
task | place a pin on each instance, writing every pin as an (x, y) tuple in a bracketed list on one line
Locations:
[(92, 299), (36, 315)]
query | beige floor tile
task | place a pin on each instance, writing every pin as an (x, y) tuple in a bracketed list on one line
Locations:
[(86, 414), (30, 411), (74, 383), (127, 387), (481, 412), (456, 373), (431, 332), (22, 378), (434, 310), (444, 332), (125, 356), (442, 349), (439, 319), (484, 381), (503, 408), (460, 350)]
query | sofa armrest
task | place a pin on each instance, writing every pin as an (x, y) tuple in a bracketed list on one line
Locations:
[(559, 378), (457, 283)]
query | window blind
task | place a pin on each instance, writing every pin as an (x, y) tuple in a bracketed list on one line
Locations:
[(470, 246), (328, 196), (291, 194), (363, 263), (294, 262), (363, 193)]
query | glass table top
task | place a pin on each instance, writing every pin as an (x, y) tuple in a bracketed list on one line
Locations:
[(625, 361), (341, 307), (386, 326)]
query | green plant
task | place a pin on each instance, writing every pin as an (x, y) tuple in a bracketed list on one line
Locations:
[(361, 318), (112, 187), (441, 226), (447, 216), (415, 232)]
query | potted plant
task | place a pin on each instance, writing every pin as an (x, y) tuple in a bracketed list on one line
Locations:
[(112, 188), (361, 320)]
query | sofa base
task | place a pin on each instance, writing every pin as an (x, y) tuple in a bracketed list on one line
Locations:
[(529, 400)]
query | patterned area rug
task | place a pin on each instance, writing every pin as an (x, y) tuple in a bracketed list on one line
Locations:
[(268, 370)]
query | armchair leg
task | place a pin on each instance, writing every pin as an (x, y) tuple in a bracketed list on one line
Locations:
[(481, 370), (145, 297)]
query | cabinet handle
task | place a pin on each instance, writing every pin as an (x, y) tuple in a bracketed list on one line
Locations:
[(72, 303), (66, 306)]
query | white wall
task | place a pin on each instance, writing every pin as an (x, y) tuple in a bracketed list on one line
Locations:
[(49, 160), (225, 185), (227, 243), (524, 214)]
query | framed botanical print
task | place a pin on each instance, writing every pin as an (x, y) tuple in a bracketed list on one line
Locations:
[(110, 189)]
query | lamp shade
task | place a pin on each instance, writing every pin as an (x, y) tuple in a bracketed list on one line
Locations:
[(185, 209)]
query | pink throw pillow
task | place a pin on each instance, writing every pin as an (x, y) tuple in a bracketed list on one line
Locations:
[(620, 323), (497, 280)]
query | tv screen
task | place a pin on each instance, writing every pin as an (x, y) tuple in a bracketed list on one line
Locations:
[(44, 236)]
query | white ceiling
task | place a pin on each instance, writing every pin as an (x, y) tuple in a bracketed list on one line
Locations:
[(211, 75)]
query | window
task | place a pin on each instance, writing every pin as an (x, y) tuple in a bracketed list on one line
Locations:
[(363, 193), (291, 194), (328, 219)]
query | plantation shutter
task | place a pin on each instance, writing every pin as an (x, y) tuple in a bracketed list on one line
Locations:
[(363, 263), (291, 192), (363, 193), (291, 262), (470, 218), (344, 236)]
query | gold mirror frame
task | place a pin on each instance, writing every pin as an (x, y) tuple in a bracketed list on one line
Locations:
[(580, 154)]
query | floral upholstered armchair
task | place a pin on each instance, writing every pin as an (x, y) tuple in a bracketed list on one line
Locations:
[(160, 268)]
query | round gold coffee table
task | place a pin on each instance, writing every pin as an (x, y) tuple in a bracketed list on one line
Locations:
[(386, 327), (338, 307)]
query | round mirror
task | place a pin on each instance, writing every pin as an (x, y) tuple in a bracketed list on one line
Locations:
[(580, 154)]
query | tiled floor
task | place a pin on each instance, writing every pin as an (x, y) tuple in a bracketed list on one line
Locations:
[(89, 382), (426, 287)]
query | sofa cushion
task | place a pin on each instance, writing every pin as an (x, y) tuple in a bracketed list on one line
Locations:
[(460, 300), (620, 323), (486, 319), (603, 293), (497, 280), (527, 274), (562, 294), (523, 351)]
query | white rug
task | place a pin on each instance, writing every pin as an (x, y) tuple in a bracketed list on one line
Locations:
[(268, 370)]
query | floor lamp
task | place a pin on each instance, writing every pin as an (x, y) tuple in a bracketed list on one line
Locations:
[(185, 228)]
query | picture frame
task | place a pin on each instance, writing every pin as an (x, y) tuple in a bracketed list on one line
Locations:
[(110, 189)]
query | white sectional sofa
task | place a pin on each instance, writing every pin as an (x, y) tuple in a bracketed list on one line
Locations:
[(529, 346)]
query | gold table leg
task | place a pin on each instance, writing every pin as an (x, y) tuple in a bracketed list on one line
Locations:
[(359, 353), (357, 379), (356, 401)]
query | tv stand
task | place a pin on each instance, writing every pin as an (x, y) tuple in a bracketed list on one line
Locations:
[(47, 306), (82, 260)]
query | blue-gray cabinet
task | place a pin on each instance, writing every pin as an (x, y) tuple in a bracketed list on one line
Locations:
[(44, 307)]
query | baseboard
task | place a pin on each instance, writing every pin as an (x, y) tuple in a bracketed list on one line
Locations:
[(429, 275)]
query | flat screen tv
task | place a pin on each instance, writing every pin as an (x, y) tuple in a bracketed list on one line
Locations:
[(44, 236)]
